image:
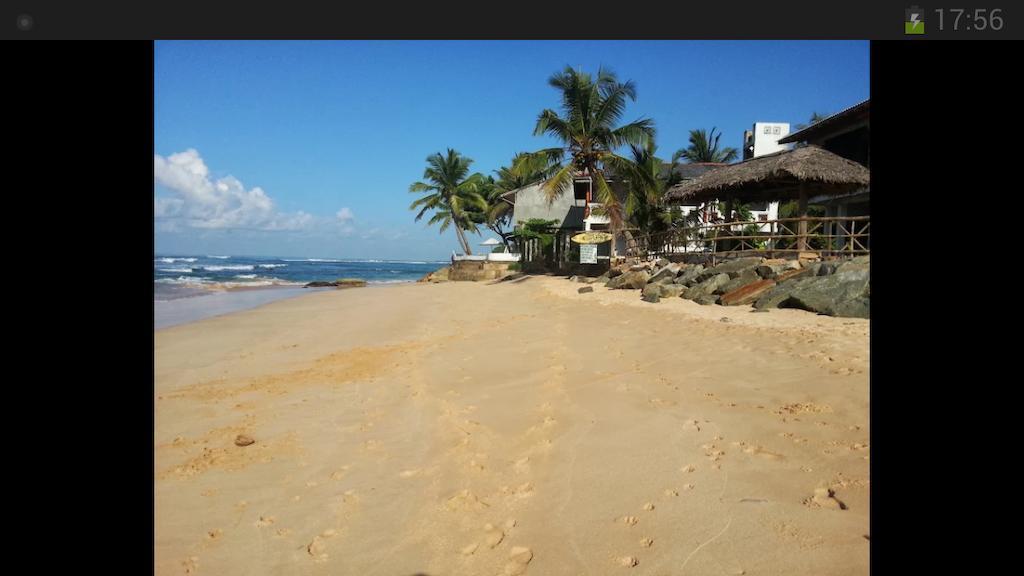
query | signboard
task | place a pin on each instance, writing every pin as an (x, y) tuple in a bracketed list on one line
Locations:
[(588, 253), (592, 238)]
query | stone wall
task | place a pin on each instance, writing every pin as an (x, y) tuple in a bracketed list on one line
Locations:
[(476, 271)]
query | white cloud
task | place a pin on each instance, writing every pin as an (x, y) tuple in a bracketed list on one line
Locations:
[(345, 215), (200, 202)]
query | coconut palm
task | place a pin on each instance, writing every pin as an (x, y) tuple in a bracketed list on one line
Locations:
[(704, 148), (454, 195), (588, 132)]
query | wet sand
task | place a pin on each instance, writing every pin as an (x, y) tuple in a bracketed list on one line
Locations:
[(511, 428)]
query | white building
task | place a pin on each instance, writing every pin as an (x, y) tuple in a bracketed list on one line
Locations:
[(764, 139)]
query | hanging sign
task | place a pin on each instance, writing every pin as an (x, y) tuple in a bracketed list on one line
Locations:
[(592, 237)]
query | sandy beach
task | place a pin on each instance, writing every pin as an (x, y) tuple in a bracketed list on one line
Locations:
[(511, 428)]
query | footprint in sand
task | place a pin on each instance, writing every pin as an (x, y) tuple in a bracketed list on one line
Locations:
[(649, 506), (825, 498), (213, 535), (264, 521), (317, 549), (629, 520), (518, 558), (688, 468), (691, 425), (493, 535), (191, 564), (627, 561), (671, 493), (647, 542)]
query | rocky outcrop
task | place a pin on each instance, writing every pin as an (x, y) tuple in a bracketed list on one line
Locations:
[(440, 275), (634, 280), (340, 283), (835, 288)]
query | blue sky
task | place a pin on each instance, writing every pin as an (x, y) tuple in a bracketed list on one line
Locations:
[(308, 148)]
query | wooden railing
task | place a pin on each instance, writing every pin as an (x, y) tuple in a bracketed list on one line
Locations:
[(828, 236)]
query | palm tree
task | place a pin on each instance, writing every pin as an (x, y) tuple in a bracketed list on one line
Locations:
[(453, 197), (815, 118), (648, 182), (704, 148), (588, 133)]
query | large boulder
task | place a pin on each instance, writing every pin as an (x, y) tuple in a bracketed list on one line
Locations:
[(666, 274), (706, 299), (745, 277), (840, 294), (731, 267), (663, 290), (633, 280), (746, 294), (706, 287), (613, 272), (670, 290), (772, 268), (688, 277)]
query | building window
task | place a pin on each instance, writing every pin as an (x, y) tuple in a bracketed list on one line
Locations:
[(762, 217)]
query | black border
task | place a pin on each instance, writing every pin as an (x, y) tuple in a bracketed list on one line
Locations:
[(309, 19), (81, 139)]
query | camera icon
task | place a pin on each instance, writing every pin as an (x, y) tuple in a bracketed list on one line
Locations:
[(25, 22)]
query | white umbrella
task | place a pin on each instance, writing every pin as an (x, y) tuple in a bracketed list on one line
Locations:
[(490, 242)]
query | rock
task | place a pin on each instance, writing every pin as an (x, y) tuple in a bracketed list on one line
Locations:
[(662, 262), (826, 268), (652, 298), (670, 290), (833, 295), (705, 299), (321, 284), (772, 268), (613, 272), (651, 290), (585, 289), (733, 267), (639, 267), (725, 319), (706, 287), (688, 277), (778, 293), (349, 283), (809, 256), (573, 278), (439, 275), (634, 280), (243, 440), (666, 274), (745, 277), (746, 294), (602, 278), (858, 263)]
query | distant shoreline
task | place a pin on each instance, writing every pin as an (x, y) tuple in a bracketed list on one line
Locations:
[(202, 303)]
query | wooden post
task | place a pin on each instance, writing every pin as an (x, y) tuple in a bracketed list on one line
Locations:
[(801, 242)]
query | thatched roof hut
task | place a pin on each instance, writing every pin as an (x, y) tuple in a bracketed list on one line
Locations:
[(785, 175)]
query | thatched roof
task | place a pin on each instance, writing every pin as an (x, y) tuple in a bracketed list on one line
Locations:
[(777, 176)]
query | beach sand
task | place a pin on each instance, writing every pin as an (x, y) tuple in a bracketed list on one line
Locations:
[(511, 428)]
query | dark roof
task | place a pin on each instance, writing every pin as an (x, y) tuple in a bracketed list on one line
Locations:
[(833, 123), (777, 176)]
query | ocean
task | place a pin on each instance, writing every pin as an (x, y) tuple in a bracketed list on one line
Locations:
[(191, 287)]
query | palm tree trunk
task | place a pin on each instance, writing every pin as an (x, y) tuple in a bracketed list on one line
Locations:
[(462, 239)]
